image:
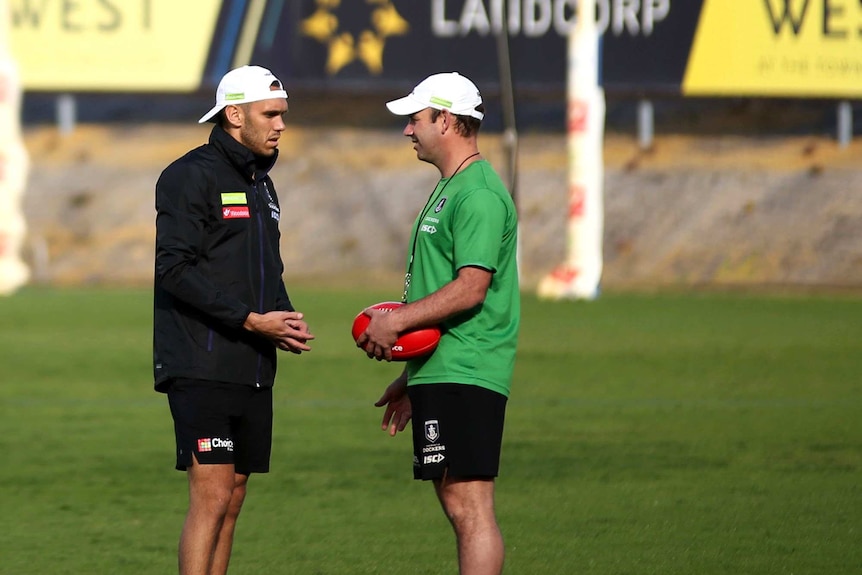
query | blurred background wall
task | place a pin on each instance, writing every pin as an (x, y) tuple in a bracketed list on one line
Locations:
[(729, 149)]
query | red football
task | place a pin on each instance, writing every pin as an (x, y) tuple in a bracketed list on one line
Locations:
[(411, 344)]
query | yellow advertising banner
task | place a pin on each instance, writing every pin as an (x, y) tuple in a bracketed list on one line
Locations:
[(112, 45), (796, 48)]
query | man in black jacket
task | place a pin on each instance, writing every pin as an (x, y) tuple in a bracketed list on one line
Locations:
[(221, 308)]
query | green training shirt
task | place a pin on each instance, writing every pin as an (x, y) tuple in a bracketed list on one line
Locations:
[(469, 220)]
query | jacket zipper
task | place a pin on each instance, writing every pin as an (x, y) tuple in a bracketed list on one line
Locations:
[(262, 269)]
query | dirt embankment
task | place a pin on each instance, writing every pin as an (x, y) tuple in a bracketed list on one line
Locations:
[(717, 210)]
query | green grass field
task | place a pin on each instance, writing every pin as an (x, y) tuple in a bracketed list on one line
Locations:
[(647, 434)]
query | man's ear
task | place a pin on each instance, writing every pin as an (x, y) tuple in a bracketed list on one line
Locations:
[(233, 115), (445, 121)]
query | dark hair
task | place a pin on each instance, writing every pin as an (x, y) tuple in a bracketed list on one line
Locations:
[(464, 125)]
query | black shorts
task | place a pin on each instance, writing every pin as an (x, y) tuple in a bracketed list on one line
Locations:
[(457, 430), (222, 423)]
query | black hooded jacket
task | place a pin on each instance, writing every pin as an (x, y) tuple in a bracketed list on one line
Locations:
[(217, 260)]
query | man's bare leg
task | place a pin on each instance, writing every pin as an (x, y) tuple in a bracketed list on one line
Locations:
[(224, 543), (469, 506), (211, 496)]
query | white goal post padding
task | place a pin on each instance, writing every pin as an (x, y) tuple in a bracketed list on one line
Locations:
[(13, 167)]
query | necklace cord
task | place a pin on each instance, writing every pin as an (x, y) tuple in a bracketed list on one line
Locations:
[(409, 275)]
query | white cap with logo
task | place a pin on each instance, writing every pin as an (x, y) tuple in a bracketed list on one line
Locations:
[(243, 85), (448, 91)]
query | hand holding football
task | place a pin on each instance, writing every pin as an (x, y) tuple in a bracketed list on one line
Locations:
[(410, 345)]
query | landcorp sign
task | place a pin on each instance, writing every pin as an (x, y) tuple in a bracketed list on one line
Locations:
[(805, 48)]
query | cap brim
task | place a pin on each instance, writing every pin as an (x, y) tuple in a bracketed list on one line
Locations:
[(209, 115), (406, 106)]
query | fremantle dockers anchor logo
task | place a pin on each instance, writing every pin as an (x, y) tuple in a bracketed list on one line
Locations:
[(432, 430)]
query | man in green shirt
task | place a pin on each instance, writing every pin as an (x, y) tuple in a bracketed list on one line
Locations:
[(461, 276)]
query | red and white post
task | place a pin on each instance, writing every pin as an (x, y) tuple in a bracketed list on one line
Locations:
[(13, 167), (579, 276)]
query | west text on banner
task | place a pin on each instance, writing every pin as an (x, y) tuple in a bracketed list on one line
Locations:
[(113, 45), (786, 48)]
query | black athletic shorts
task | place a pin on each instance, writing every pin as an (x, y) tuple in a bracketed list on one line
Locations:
[(457, 430), (222, 423)]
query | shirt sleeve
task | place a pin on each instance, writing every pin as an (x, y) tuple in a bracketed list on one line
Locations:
[(181, 215), (478, 227)]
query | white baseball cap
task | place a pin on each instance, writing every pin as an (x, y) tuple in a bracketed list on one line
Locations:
[(243, 85), (448, 91)]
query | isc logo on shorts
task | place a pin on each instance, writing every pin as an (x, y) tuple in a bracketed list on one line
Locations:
[(436, 458), (208, 444)]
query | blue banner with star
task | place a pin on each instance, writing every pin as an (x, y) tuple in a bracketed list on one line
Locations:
[(375, 43), (359, 44)]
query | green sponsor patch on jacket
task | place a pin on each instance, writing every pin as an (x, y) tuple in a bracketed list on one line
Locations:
[(233, 198)]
